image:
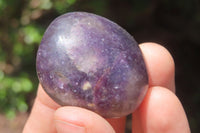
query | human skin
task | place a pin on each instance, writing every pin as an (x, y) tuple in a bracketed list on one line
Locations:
[(160, 111)]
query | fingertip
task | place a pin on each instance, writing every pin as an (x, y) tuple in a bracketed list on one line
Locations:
[(46, 99), (161, 111), (160, 65), (79, 117)]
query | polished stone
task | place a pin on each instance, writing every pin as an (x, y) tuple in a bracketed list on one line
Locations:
[(89, 61)]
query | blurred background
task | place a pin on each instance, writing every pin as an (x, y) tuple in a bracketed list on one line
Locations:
[(173, 23)]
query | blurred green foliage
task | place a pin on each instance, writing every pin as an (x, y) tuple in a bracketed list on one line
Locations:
[(175, 24), (20, 34)]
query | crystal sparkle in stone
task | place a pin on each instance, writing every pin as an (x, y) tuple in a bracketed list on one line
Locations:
[(89, 61)]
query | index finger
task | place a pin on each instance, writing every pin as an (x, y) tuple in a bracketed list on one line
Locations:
[(160, 65)]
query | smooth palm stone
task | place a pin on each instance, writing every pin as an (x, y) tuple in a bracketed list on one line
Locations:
[(89, 61)]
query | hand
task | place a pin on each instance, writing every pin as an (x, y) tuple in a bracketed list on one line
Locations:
[(160, 111)]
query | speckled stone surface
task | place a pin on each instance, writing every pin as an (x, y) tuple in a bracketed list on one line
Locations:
[(88, 61)]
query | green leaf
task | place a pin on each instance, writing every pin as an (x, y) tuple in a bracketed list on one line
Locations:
[(18, 49), (2, 93), (1, 75), (10, 114), (32, 34), (46, 4), (22, 106), (63, 5), (16, 87), (27, 85)]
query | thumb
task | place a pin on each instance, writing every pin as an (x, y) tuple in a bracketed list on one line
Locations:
[(78, 120)]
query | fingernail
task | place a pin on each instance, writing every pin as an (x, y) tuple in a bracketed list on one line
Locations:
[(66, 127)]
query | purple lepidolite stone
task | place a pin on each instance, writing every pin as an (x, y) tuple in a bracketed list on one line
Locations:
[(89, 61)]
